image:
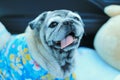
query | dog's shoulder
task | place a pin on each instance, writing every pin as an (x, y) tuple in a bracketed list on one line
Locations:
[(4, 36)]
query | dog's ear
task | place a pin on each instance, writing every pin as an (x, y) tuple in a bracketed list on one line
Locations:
[(38, 21)]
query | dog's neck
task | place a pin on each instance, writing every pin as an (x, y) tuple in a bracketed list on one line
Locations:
[(65, 59), (59, 63)]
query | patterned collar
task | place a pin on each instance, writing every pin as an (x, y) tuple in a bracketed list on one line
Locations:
[(22, 65)]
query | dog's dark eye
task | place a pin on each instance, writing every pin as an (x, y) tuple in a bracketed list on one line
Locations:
[(53, 24), (76, 18)]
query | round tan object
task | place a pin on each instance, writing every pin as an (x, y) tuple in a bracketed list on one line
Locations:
[(112, 10), (107, 41)]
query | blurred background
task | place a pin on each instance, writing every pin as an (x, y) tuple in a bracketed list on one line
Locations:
[(15, 14)]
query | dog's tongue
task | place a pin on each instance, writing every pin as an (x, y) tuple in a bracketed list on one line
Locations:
[(67, 41)]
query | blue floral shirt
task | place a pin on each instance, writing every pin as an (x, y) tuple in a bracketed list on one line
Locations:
[(16, 63)]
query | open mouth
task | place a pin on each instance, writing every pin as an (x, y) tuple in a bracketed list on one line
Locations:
[(69, 40)]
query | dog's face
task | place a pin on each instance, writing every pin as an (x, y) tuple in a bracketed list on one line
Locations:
[(59, 29)]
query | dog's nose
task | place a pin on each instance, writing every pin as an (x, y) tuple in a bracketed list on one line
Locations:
[(68, 22)]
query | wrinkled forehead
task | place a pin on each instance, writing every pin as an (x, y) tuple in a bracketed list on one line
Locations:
[(63, 13)]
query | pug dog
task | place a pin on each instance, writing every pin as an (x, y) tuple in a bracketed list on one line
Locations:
[(46, 51)]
